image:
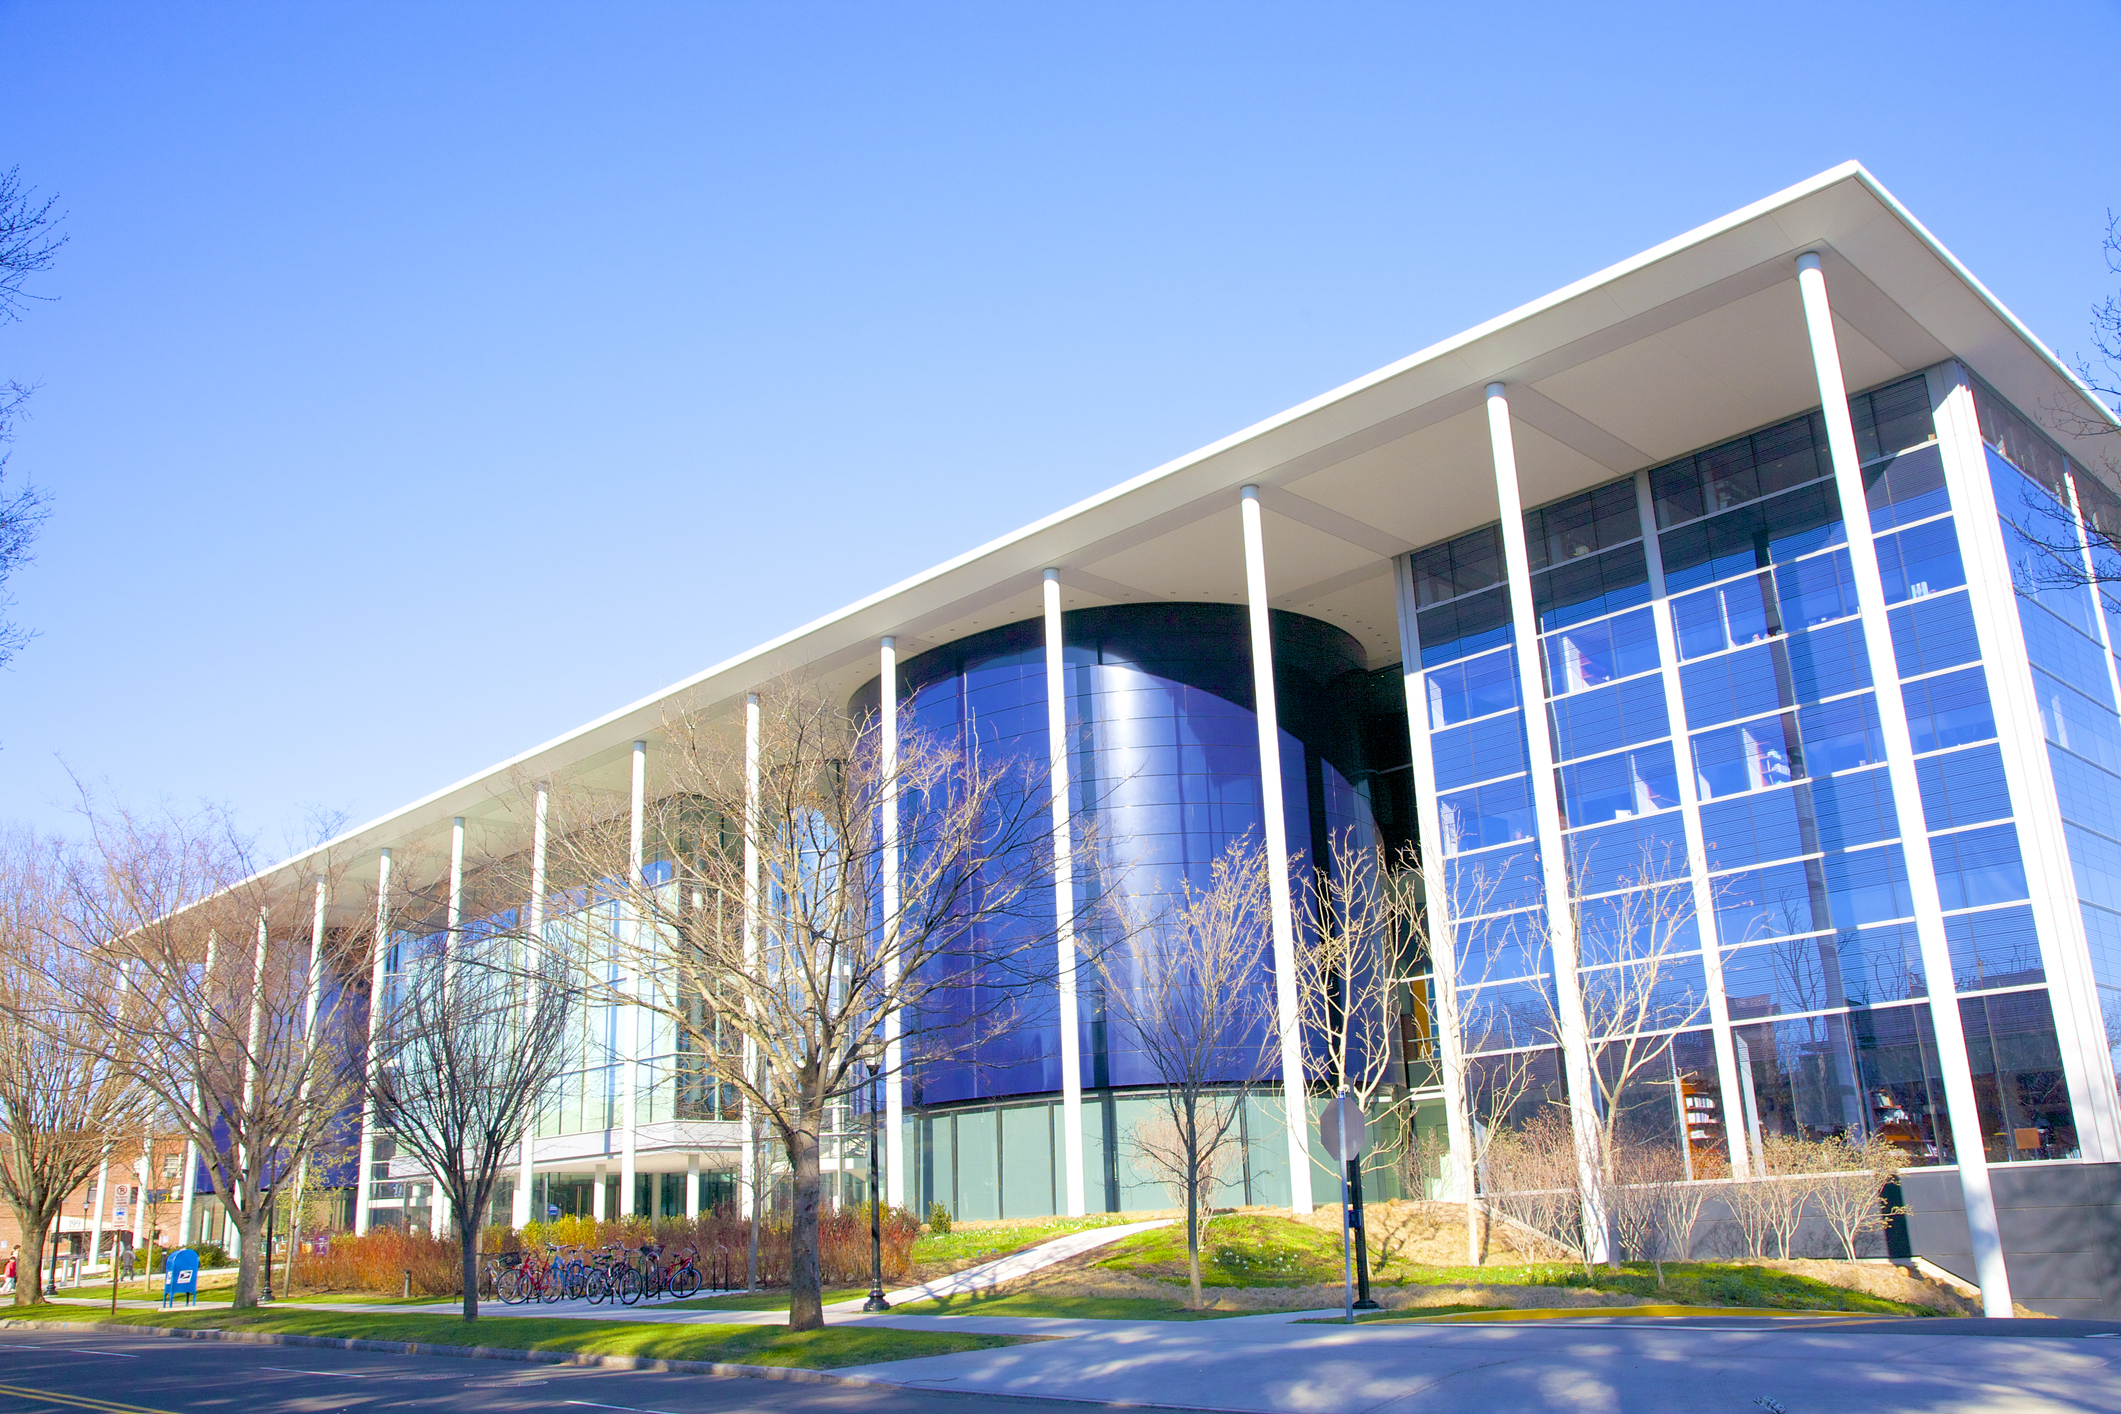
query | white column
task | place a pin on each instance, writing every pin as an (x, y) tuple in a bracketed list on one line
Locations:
[(95, 1227), (365, 1181), (1443, 950), (596, 1195), (1907, 796), (629, 1018), (140, 1170), (894, 1080), (2065, 954), (534, 948), (1064, 904), (1546, 807), (749, 1161), (1274, 817), (1696, 851), (692, 1186), (250, 1062), (312, 992)]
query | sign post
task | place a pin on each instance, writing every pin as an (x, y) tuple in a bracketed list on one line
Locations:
[(1340, 1130)]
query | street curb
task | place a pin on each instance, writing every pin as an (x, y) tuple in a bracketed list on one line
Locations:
[(788, 1373)]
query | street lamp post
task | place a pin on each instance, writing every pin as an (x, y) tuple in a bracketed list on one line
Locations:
[(272, 1210), (876, 1301)]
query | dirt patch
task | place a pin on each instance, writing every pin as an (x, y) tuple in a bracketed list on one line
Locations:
[(1075, 1279), (1431, 1234)]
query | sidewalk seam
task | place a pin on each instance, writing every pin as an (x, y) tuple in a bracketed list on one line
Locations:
[(789, 1373)]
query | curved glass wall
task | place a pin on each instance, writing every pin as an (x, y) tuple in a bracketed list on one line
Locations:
[(1164, 766)]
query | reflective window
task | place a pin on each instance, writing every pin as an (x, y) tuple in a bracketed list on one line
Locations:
[(1827, 662), (1499, 813), (1473, 688), (1841, 735), (1627, 853), (1471, 562), (1823, 972), (1490, 747), (2019, 1088), (1753, 829), (1589, 588), (1657, 995), (1742, 684), (1594, 654), (2074, 723), (1733, 760), (1610, 718), (1463, 627), (1614, 787), (1998, 948), (1906, 488), (1508, 1016), (1919, 562), (1963, 787), (1773, 531), (1950, 710), (1636, 924), (1725, 477), (1583, 525), (1728, 616), (1499, 948), (1817, 590), (1499, 881), (1774, 902), (1892, 419), (1867, 887), (1852, 809), (1977, 867), (1933, 633)]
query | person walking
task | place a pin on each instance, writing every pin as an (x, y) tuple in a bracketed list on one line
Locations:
[(8, 1272)]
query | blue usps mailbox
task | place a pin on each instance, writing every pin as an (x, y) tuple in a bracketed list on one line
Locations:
[(180, 1276)]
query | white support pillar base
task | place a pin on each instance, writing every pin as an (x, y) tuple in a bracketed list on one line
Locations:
[(1071, 1047)]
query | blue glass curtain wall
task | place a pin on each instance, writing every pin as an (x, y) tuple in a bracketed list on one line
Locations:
[(1163, 755), (1781, 737)]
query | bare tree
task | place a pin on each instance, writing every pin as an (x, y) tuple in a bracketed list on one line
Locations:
[(1535, 1179), (1633, 948), (1187, 996), (63, 1104), (466, 1055), (798, 892), (1853, 1175), (214, 995), (29, 242)]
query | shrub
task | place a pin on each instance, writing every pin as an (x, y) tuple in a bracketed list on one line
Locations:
[(211, 1254), (938, 1219)]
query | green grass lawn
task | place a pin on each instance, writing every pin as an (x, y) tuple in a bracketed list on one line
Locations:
[(754, 1300), (965, 1246), (1092, 1308), (1241, 1249), (743, 1345)]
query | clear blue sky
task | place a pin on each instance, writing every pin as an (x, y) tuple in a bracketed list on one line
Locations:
[(426, 380)]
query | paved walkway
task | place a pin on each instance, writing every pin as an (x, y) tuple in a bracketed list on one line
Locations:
[(1009, 1268)]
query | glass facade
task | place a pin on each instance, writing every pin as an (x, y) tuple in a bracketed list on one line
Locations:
[(1809, 918)]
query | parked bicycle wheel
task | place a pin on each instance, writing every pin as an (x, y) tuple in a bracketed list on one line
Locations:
[(553, 1288), (685, 1282), (509, 1288), (630, 1285), (596, 1286)]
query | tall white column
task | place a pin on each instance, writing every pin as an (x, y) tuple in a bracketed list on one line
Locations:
[(894, 1079), (365, 1182), (1704, 899), (534, 950), (1546, 808), (1967, 1141), (1443, 949), (629, 1018), (2022, 741), (312, 994), (250, 1062), (1274, 817), (692, 1186), (1064, 904), (140, 1171), (749, 1159)]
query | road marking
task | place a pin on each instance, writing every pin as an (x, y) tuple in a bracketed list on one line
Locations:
[(291, 1370), (79, 1401), (592, 1404), (85, 1350)]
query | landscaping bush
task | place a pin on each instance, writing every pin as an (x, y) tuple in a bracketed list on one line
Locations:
[(377, 1263), (938, 1219)]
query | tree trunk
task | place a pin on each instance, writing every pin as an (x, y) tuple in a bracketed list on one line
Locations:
[(249, 1237), (468, 1228), (1192, 1153), (29, 1262), (1475, 1248), (806, 1290)]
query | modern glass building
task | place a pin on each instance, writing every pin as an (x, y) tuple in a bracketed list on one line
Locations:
[(1721, 631)]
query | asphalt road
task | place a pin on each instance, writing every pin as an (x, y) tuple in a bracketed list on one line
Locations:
[(46, 1372)]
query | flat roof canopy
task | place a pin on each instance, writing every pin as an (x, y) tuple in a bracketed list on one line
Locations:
[(1687, 344)]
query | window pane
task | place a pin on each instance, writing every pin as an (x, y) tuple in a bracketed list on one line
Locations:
[(1920, 562), (1473, 688), (1594, 654), (1947, 711), (1733, 760), (1615, 787)]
